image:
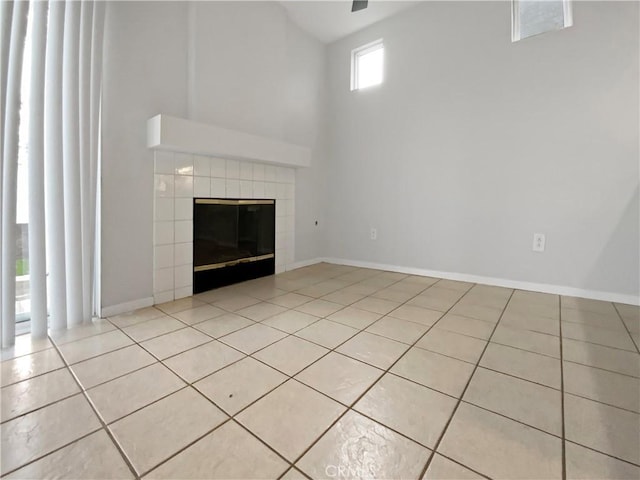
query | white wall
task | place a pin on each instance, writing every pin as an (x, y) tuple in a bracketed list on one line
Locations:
[(473, 143), (239, 65), (145, 73)]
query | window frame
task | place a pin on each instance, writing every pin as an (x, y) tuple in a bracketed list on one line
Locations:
[(356, 53), (567, 14)]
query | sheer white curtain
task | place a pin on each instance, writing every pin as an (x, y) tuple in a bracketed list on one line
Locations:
[(65, 60)]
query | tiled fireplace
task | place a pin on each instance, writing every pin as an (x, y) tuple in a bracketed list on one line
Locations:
[(178, 179)]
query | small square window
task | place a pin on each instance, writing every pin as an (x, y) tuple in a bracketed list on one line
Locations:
[(367, 65), (533, 17)]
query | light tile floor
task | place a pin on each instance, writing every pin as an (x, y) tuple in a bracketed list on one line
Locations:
[(332, 372)]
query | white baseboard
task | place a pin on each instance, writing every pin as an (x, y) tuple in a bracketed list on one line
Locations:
[(126, 307), (303, 263), (498, 282)]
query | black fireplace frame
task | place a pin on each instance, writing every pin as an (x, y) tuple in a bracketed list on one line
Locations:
[(238, 270)]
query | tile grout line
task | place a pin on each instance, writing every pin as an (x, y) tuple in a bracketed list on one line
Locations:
[(564, 440), (96, 413), (289, 377), (455, 408), (626, 327), (384, 373), (231, 417)]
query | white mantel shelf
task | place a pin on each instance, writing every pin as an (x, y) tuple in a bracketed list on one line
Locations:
[(179, 135)]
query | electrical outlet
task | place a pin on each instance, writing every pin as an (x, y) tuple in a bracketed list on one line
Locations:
[(538, 242), (374, 234)]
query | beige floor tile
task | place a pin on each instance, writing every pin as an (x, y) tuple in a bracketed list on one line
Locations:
[(223, 325), (111, 365), (526, 402), (265, 292), (354, 317), (290, 355), (411, 409), (527, 340), (607, 429), (176, 342), (261, 311), (93, 346), (158, 431), (236, 386), (94, 456), (527, 296), (419, 279), (601, 336), (491, 302), (602, 386), (630, 316), (452, 344), (123, 395), (396, 329), (587, 304), (436, 298), (27, 366), (25, 396), (320, 308), (201, 361), (466, 326), (342, 378), (56, 425), (490, 292), (212, 295), (520, 363), (343, 297), (253, 338), (358, 444), (290, 300), (199, 314), (291, 418), (442, 468), (290, 321), (138, 316), (85, 330), (227, 452), (24, 345), (549, 310), (372, 349), (633, 324), (327, 333), (176, 306), (479, 312), (382, 280), (321, 289), (361, 289), (584, 464), (628, 311), (416, 314), (620, 361), (499, 447), (153, 328), (236, 302), (393, 295), (454, 285), (530, 322), (433, 370), (603, 320), (376, 305)]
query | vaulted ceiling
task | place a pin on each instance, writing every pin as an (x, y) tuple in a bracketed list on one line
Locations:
[(329, 20)]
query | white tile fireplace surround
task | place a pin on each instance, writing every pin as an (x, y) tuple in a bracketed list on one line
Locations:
[(178, 179)]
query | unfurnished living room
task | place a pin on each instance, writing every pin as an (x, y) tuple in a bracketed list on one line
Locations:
[(320, 239)]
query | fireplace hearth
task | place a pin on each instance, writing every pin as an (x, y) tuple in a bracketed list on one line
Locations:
[(233, 241)]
